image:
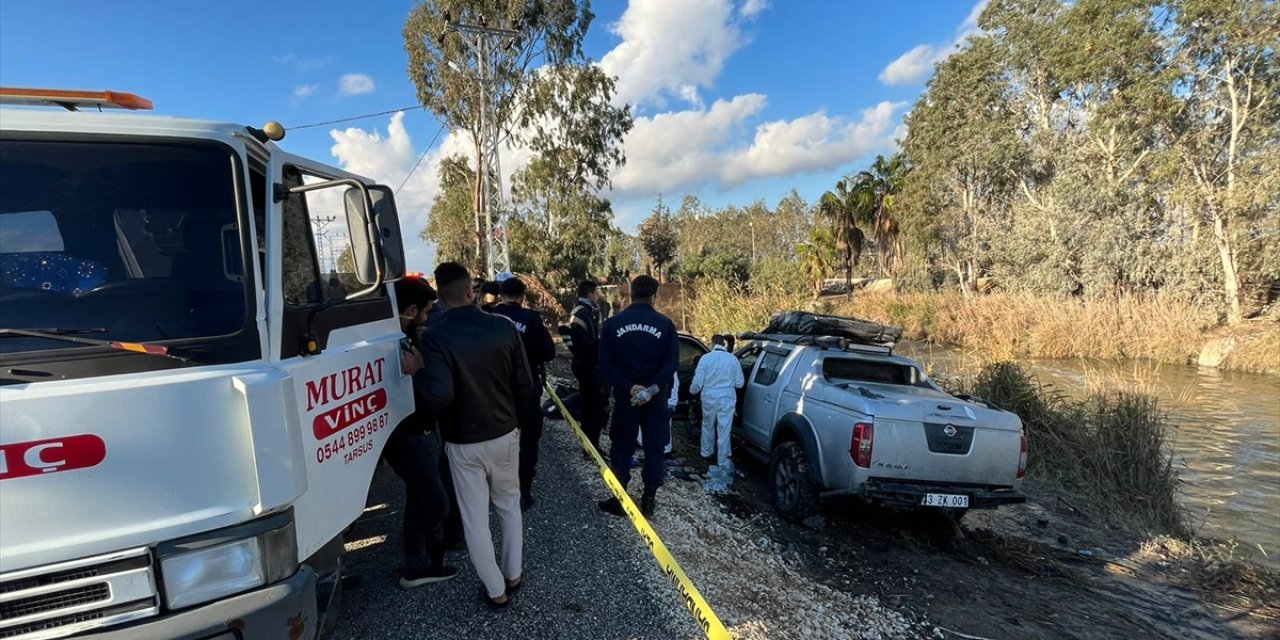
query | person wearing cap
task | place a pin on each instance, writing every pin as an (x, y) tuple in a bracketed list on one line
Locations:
[(414, 452), (473, 373), (718, 378), (638, 352), (539, 349)]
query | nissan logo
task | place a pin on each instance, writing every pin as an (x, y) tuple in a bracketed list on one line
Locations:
[(950, 431)]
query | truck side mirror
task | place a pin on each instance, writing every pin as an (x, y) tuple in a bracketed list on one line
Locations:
[(386, 222)]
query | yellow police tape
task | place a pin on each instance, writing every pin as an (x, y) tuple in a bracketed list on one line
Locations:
[(693, 601)]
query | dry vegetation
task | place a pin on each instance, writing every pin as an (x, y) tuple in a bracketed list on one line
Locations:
[(1004, 326)]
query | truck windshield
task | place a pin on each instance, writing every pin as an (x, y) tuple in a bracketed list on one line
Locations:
[(136, 242)]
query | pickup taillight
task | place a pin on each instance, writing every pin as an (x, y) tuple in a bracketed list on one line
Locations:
[(1022, 458), (864, 435)]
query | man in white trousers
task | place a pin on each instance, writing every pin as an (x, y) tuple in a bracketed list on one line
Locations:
[(717, 378)]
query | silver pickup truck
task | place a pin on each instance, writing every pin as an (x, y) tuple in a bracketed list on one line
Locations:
[(834, 417)]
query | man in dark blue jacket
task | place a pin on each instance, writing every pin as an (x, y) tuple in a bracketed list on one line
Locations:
[(584, 344), (540, 350), (639, 350)]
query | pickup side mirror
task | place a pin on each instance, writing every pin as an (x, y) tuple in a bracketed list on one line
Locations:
[(386, 224)]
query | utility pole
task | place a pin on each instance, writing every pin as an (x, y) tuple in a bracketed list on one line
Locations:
[(324, 244), (486, 43)]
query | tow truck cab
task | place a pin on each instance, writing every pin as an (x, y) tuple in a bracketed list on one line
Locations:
[(199, 367)]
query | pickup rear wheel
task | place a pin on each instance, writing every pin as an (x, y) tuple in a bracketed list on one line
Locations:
[(791, 489)]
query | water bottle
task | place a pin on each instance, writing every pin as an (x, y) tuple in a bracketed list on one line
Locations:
[(645, 395)]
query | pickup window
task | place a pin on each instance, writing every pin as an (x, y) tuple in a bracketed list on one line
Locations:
[(770, 367), (838, 370)]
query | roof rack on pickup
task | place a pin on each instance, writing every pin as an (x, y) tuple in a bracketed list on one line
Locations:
[(824, 342)]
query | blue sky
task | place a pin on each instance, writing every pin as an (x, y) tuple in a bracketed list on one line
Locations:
[(736, 99)]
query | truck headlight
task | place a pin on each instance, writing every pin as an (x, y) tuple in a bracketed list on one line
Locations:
[(213, 568), (207, 574)]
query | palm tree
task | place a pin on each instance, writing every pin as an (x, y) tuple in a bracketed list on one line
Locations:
[(874, 191), (816, 256), (843, 208)]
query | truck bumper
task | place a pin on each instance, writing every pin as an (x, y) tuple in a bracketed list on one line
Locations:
[(907, 494), (283, 610)]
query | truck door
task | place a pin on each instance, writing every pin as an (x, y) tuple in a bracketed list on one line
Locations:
[(760, 406), (340, 351)]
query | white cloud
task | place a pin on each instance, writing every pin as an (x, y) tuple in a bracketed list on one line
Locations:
[(808, 144), (667, 51), (753, 7), (679, 150), (389, 158), (302, 64), (303, 91), (354, 84), (916, 64)]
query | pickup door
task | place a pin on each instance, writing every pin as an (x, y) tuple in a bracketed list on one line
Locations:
[(762, 393)]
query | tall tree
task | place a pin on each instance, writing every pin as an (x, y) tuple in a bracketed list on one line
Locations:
[(962, 141), (449, 220), (1231, 124), (658, 239), (875, 190), (539, 90), (843, 209), (816, 257)]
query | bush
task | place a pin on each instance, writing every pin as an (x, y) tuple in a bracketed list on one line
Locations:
[(778, 274), (1112, 449)]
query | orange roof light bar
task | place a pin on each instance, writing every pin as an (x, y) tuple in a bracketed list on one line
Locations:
[(73, 99)]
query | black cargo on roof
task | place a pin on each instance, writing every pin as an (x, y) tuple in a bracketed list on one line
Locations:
[(812, 324)]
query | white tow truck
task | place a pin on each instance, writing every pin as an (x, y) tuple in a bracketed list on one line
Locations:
[(197, 372)]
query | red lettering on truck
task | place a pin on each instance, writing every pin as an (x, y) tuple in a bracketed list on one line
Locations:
[(339, 418), (338, 385), (38, 457)]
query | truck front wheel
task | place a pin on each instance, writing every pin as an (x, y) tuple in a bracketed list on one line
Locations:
[(791, 489)]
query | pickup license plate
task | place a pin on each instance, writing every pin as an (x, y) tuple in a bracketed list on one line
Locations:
[(945, 500)]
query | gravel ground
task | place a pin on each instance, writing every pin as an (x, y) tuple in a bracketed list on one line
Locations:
[(758, 591), (588, 575)]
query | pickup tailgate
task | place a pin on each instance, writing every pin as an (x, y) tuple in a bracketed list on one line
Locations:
[(924, 435)]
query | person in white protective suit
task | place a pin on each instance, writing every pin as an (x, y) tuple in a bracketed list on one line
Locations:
[(717, 378), (671, 409)]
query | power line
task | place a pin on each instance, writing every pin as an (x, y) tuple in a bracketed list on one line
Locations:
[(360, 117), (424, 154)]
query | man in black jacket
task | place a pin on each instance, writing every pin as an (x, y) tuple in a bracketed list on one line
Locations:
[(474, 374), (414, 453), (540, 350), (584, 344), (639, 350)]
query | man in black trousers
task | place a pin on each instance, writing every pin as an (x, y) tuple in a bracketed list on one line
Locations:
[(638, 352), (584, 344), (540, 350), (414, 452)]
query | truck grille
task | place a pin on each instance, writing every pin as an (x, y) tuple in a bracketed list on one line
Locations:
[(72, 597)]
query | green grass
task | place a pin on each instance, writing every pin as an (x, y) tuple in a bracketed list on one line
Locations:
[(1111, 449)]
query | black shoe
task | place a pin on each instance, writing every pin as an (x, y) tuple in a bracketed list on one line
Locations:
[(527, 501), (648, 503), (513, 587), (611, 506), (428, 576)]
